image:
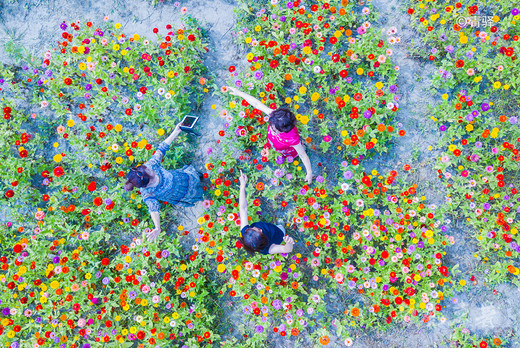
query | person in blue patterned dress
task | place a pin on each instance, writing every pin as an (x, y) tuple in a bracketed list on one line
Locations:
[(179, 187)]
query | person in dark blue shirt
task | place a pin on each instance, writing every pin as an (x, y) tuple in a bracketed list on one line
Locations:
[(260, 236)]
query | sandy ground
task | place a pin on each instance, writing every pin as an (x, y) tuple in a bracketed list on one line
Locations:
[(35, 25)]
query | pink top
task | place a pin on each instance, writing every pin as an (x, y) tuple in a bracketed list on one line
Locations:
[(284, 142)]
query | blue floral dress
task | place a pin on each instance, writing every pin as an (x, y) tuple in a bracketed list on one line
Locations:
[(180, 187)]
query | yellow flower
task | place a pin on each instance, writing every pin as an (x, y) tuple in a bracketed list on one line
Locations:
[(81, 49), (463, 39), (315, 96), (258, 28), (445, 96), (70, 123), (183, 267), (118, 128), (221, 268), (497, 84), (88, 276), (136, 37), (57, 158), (180, 37), (469, 127), (160, 132), (302, 90), (304, 119), (82, 66), (175, 315), (359, 71), (379, 85), (248, 40), (116, 47), (306, 50), (117, 25), (43, 299), (128, 258), (119, 160), (170, 74), (462, 282), (55, 284)]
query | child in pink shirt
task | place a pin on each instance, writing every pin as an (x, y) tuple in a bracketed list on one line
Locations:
[(282, 133)]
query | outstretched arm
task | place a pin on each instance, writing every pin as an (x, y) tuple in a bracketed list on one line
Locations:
[(306, 161), (242, 201), (257, 104), (174, 134), (282, 249)]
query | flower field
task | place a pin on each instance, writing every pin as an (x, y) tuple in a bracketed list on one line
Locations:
[(377, 251)]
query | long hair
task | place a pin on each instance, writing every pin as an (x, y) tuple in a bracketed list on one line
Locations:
[(283, 119), (137, 177), (253, 240)]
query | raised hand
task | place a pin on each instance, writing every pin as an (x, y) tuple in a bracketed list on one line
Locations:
[(243, 178)]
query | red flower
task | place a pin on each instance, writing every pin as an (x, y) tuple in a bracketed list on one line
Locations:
[(231, 68), (273, 64), (98, 201), (128, 112), (9, 193), (92, 186), (58, 171), (105, 261), (68, 81), (23, 153), (17, 248)]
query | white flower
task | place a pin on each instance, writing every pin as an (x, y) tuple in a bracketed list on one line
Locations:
[(348, 342), (44, 103), (316, 69), (137, 107), (168, 95), (161, 91)]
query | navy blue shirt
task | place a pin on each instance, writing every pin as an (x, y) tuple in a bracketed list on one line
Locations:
[(273, 233)]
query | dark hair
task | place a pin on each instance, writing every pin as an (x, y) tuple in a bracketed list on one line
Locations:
[(253, 240), (137, 177), (283, 119)]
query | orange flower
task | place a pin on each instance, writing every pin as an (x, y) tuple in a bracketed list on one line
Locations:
[(288, 77), (294, 285), (324, 340), (502, 118), (360, 133), (355, 312), (295, 331), (260, 186), (497, 341), (381, 127)]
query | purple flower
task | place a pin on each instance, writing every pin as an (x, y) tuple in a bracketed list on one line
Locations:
[(393, 89), (259, 74), (515, 11), (484, 107), (277, 304), (486, 206), (513, 120), (283, 18), (165, 253), (238, 83), (259, 329), (348, 175), (320, 179), (6, 311), (106, 280), (63, 26), (367, 114), (88, 87), (450, 49)]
